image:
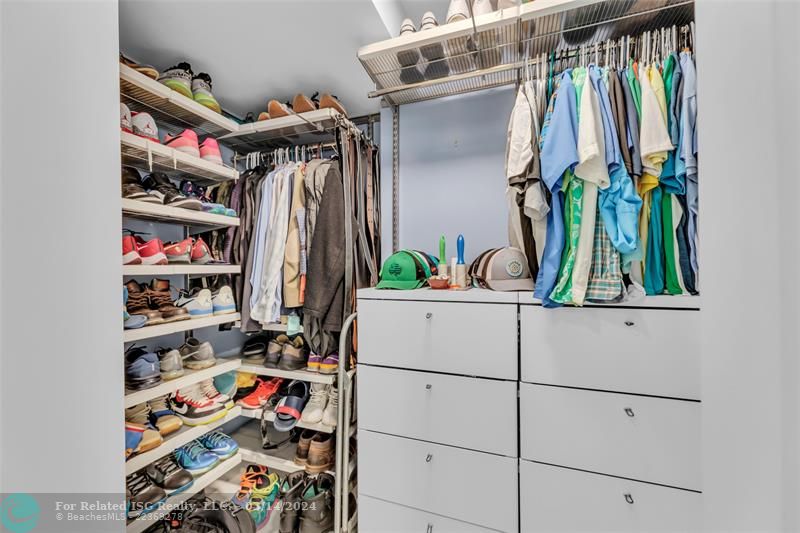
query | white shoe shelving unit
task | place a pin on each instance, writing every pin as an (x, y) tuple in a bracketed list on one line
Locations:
[(190, 377), (301, 128), (183, 436), (149, 332), (143, 522), (179, 270)]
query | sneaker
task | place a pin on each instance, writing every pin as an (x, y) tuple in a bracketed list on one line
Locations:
[(246, 383), (264, 493), (209, 151), (168, 474), (201, 91), (195, 458), (274, 351), (163, 417), (330, 101), (312, 414), (194, 408), (125, 121), (143, 495), (263, 116), (185, 141), (141, 369), (147, 70), (160, 186), (144, 126), (179, 252), (179, 78), (277, 109), (197, 355), (222, 301), (259, 397), (254, 349), (140, 415), (130, 252), (197, 302), (428, 21), (314, 360), (331, 415), (481, 7), (133, 436), (201, 255), (321, 453), (227, 384), (248, 480), (293, 356), (219, 443), (329, 365), (211, 392), (138, 303), (318, 505), (457, 10), (160, 294), (407, 27), (151, 252), (303, 104), (171, 363), (132, 187)]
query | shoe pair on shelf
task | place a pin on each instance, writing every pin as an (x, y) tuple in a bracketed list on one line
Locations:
[(206, 452), (181, 79), (156, 188), (322, 406), (147, 423), (200, 403), (315, 451), (258, 491), (202, 302), (286, 353), (328, 364), (307, 502), (192, 190), (302, 104), (262, 392), (187, 142), (154, 301), (147, 489), (194, 355)]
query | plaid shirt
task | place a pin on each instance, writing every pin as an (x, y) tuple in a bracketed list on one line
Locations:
[(605, 277)]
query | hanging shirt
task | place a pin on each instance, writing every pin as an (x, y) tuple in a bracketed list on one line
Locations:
[(559, 153), (687, 151), (632, 75)]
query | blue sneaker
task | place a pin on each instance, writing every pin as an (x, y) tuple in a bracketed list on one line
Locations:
[(226, 383), (142, 369), (130, 321), (195, 458), (219, 443)]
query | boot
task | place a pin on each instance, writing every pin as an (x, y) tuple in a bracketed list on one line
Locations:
[(321, 453), (291, 497), (317, 514)]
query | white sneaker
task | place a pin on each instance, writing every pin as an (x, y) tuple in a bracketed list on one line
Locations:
[(210, 391), (198, 303), (222, 301), (171, 364), (125, 121), (312, 414), (458, 10), (331, 415), (145, 126), (428, 21), (407, 27), (481, 7)]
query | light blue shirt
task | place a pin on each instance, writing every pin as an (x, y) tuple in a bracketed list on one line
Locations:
[(262, 227), (687, 150)]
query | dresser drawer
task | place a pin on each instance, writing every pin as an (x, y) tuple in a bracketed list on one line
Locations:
[(473, 487), (559, 499), (645, 351), (458, 338), (378, 516), (439, 408), (650, 439)]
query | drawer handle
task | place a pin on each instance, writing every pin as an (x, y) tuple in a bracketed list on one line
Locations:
[(429, 529), (629, 323), (428, 458), (428, 386), (428, 315), (629, 412), (629, 498)]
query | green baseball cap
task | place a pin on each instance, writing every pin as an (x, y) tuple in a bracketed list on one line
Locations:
[(403, 270)]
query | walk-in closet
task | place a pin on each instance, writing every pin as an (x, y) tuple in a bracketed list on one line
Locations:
[(395, 266)]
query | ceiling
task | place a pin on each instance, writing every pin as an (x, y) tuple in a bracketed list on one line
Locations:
[(259, 50)]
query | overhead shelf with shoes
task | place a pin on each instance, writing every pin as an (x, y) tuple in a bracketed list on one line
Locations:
[(143, 94), (199, 221), (183, 436), (151, 156), (301, 375), (146, 521), (149, 332), (180, 270), (490, 49), (301, 128), (190, 377)]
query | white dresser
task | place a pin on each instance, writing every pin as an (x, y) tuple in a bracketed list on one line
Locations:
[(437, 411), (482, 411)]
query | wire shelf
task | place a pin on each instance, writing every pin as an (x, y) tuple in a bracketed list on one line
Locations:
[(302, 128), (458, 58)]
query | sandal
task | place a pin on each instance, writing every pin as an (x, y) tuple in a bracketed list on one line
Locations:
[(329, 101)]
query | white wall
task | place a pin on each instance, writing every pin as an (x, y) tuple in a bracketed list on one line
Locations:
[(748, 139), (451, 172), (62, 371)]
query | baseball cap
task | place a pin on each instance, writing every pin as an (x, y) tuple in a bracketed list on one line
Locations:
[(403, 270), (503, 269)]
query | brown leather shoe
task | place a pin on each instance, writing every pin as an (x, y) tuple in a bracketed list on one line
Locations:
[(293, 354), (138, 303), (320, 453), (160, 297), (301, 454)]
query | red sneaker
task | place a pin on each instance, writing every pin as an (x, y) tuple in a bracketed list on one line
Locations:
[(259, 397), (179, 252), (185, 141), (200, 252), (130, 252), (209, 150), (152, 251)]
